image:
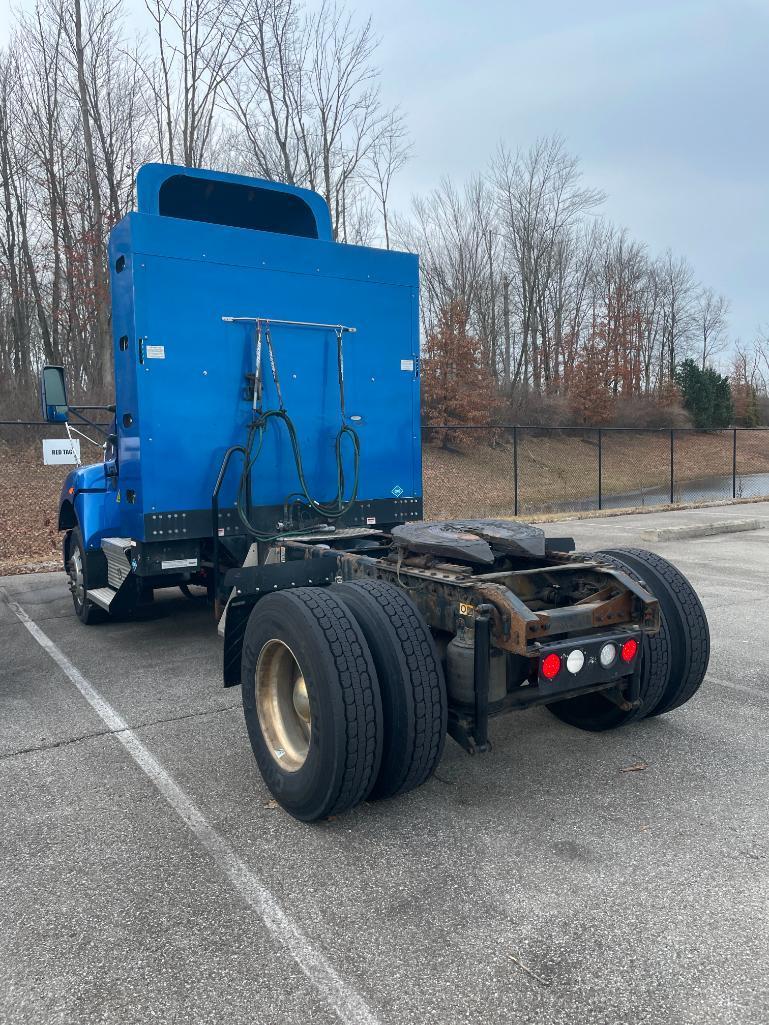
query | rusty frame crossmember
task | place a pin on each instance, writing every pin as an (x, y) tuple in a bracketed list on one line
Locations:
[(443, 595)]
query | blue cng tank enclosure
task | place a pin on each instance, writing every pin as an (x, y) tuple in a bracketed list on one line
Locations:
[(204, 247)]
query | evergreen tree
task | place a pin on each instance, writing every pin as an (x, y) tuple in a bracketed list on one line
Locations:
[(706, 394)]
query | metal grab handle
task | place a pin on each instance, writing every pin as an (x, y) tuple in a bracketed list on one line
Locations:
[(215, 512), (291, 323)]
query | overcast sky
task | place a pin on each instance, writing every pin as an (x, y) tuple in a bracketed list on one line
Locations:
[(664, 101)]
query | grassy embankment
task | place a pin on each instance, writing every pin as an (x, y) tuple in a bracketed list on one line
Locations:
[(558, 470)]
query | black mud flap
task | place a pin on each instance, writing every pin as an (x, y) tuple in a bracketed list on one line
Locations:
[(234, 630), (250, 583)]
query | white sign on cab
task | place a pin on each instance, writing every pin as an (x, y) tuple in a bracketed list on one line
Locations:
[(61, 451)]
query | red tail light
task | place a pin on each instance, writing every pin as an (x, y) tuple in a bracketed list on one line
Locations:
[(551, 666), (629, 650)]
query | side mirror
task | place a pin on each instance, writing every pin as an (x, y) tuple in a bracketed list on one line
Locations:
[(53, 395)]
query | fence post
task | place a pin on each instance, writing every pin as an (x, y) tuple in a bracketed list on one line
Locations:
[(515, 470), (672, 464), (600, 469), (734, 463)]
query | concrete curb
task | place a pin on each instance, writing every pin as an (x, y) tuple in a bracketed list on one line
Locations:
[(702, 530)]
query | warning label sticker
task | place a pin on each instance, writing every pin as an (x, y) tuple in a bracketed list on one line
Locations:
[(178, 563), (155, 352)]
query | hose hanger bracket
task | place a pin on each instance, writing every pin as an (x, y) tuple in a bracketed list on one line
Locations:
[(337, 506), (343, 328)]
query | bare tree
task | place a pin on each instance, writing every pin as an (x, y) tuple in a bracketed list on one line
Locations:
[(96, 229), (306, 107), (680, 291), (539, 198), (74, 133), (389, 152), (15, 338), (710, 312), (452, 243), (266, 92), (195, 57)]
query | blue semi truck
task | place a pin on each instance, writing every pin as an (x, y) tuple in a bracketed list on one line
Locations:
[(265, 446)]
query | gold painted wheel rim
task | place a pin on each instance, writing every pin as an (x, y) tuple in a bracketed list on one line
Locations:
[(283, 705)]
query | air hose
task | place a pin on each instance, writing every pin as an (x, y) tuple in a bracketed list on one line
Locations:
[(337, 507)]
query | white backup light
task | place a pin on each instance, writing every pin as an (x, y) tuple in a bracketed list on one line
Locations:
[(575, 661), (608, 655)]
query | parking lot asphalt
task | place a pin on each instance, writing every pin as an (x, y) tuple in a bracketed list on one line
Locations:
[(540, 883)]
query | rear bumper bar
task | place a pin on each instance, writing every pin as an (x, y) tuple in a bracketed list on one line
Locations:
[(620, 679), (592, 672)]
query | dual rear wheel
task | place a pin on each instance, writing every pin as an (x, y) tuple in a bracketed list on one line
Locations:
[(343, 694), (345, 698), (673, 661)]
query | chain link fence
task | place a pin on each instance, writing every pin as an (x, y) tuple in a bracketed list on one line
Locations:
[(520, 471), (29, 496), (751, 472), (467, 472)]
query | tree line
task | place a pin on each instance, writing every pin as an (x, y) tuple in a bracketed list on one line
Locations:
[(260, 87), (534, 306)]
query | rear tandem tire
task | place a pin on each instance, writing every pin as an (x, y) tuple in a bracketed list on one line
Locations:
[(411, 682), (674, 660), (311, 702), (684, 617)]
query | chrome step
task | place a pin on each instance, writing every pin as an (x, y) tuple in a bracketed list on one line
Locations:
[(116, 550), (102, 596)]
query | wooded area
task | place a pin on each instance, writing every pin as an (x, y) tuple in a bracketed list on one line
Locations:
[(537, 308), (534, 307), (260, 87)]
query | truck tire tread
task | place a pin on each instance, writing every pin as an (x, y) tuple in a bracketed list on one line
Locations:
[(411, 682), (343, 660), (686, 621)]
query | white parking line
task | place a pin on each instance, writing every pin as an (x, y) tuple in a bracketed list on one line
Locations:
[(341, 997)]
